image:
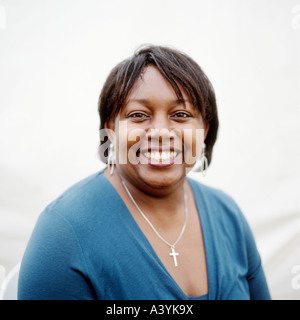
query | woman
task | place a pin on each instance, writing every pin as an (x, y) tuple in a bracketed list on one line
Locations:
[(140, 229)]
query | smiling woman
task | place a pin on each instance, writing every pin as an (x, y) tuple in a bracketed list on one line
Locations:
[(188, 84), (159, 119), (140, 229)]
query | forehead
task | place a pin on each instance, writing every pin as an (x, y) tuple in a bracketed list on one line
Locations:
[(152, 85)]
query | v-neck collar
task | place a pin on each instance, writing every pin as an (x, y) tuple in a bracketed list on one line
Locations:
[(203, 223)]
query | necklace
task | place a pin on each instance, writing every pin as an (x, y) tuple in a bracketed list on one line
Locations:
[(173, 253)]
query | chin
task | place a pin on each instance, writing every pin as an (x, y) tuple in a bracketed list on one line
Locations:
[(162, 178)]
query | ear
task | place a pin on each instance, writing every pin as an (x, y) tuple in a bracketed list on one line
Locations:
[(206, 129), (109, 127)]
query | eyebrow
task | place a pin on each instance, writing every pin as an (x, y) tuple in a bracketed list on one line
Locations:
[(146, 101)]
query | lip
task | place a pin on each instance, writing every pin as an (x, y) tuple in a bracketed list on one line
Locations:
[(160, 149), (158, 163)]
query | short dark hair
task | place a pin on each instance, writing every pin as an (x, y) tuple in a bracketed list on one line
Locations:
[(178, 69)]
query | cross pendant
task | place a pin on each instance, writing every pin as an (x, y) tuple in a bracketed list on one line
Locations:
[(174, 254)]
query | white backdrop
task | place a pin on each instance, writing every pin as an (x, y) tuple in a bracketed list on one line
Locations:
[(54, 58)]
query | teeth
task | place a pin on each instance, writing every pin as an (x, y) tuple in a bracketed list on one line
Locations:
[(160, 156), (165, 155)]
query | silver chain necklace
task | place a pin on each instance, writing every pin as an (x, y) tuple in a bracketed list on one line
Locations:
[(174, 254)]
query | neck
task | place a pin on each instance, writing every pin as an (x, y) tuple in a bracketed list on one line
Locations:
[(161, 204)]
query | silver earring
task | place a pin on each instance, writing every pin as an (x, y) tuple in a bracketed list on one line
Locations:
[(201, 163), (111, 159)]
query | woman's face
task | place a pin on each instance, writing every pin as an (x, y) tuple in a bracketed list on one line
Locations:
[(157, 136)]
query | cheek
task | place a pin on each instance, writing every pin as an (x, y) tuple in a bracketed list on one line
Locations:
[(192, 142), (135, 139), (128, 142)]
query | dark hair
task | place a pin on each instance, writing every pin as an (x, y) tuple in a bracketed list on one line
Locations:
[(178, 69)]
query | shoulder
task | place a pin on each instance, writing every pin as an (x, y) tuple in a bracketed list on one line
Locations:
[(81, 190), (84, 209), (222, 213), (225, 218), (216, 200), (81, 199), (55, 254), (76, 217)]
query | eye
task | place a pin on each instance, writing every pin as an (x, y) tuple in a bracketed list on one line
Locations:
[(138, 116), (181, 115)]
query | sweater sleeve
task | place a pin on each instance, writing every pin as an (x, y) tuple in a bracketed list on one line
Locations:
[(53, 266), (257, 283)]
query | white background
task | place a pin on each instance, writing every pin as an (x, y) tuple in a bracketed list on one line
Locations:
[(55, 56)]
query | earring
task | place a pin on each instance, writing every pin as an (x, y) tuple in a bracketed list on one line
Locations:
[(201, 163), (111, 159)]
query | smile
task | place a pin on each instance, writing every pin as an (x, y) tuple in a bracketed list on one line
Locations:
[(163, 156)]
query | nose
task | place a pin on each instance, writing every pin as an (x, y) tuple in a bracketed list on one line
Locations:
[(160, 130)]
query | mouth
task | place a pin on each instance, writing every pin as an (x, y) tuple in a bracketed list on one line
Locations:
[(159, 157)]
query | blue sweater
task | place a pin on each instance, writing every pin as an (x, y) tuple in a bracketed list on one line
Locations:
[(86, 245)]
